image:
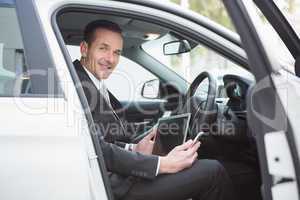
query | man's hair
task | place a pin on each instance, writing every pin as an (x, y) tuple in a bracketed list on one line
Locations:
[(89, 30)]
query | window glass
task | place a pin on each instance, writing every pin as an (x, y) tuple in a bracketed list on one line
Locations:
[(208, 9), (199, 59), (279, 48), (189, 65), (291, 10), (126, 81), (13, 70)]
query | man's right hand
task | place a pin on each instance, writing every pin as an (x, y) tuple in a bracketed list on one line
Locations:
[(146, 145), (181, 157)]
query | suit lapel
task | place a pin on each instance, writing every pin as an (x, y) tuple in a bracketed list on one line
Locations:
[(102, 111), (86, 81)]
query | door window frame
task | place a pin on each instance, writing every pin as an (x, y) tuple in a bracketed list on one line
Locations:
[(33, 43), (116, 8)]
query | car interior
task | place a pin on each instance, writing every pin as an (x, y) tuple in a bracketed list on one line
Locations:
[(223, 107)]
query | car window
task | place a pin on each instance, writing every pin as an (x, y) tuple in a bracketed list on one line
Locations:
[(291, 10), (17, 78), (208, 9), (126, 81), (131, 77), (190, 64), (274, 41), (14, 79)]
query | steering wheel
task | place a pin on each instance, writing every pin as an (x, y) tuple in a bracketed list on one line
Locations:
[(202, 110)]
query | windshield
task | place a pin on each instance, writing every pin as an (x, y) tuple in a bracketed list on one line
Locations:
[(190, 64)]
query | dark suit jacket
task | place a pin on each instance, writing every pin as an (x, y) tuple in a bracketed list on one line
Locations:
[(121, 164)]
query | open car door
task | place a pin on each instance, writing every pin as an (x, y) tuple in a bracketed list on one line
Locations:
[(273, 102)]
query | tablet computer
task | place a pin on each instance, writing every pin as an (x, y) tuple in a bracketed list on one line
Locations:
[(171, 132)]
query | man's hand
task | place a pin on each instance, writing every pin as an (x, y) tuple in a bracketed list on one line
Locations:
[(181, 157), (145, 146)]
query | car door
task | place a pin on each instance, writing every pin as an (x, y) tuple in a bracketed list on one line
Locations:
[(44, 153), (273, 103)]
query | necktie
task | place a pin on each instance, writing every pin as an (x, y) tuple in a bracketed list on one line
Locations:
[(104, 91)]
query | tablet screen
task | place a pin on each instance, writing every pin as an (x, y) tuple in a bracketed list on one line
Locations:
[(171, 131)]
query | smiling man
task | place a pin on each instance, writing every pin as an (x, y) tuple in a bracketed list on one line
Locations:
[(133, 171), (101, 51)]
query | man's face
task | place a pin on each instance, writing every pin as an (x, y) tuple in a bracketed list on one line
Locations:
[(102, 55)]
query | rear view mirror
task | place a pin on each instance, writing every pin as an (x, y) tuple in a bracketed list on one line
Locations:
[(150, 89), (176, 47)]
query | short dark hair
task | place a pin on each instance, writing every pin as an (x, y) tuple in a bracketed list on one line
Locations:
[(91, 27)]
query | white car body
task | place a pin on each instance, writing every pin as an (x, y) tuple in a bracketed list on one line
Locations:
[(46, 150)]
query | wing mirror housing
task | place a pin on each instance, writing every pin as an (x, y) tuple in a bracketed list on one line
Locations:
[(150, 89)]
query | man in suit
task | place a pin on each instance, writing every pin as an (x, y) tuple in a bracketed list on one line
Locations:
[(133, 171)]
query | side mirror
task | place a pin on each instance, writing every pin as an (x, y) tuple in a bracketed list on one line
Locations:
[(150, 89), (176, 47)]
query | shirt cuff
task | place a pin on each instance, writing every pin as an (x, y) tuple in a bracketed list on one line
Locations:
[(127, 147), (158, 165)]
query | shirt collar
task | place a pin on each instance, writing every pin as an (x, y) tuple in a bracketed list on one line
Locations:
[(98, 83)]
